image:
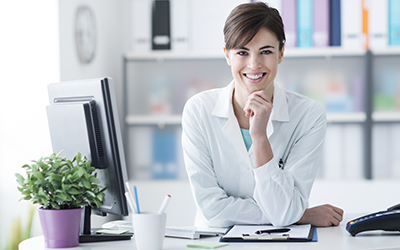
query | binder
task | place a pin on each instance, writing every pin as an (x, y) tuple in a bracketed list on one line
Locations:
[(351, 23), (305, 23), (289, 18), (365, 37), (180, 25), (161, 28), (248, 233), (335, 23), (321, 23), (141, 25), (394, 22), (378, 23)]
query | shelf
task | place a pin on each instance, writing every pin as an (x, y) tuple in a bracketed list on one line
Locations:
[(172, 55), (386, 51), (357, 117), (159, 120), (160, 56), (393, 116), (162, 120)]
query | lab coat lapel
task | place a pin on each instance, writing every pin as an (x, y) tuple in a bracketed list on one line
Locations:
[(224, 109)]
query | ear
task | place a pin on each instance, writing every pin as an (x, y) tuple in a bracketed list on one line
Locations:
[(281, 53), (228, 60)]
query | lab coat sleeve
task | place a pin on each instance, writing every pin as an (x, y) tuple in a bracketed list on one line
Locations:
[(283, 194), (218, 208)]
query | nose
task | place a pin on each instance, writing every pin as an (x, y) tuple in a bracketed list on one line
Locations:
[(254, 62)]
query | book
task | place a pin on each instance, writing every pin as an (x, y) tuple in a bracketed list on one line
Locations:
[(141, 25), (289, 20), (321, 23), (180, 25), (335, 34), (394, 22), (351, 23), (304, 23), (365, 36), (378, 23), (161, 25)]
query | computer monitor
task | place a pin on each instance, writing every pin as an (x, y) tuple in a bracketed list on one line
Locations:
[(83, 117)]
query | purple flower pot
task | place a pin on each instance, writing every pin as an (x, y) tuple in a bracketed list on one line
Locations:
[(60, 227)]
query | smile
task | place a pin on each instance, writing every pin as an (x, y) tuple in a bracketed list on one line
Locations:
[(255, 76)]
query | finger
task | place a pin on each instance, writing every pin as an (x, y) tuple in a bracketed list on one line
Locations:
[(338, 217), (260, 94), (338, 210), (336, 222)]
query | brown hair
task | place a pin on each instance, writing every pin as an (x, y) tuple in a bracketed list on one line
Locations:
[(244, 22)]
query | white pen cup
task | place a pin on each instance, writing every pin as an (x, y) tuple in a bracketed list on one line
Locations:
[(149, 230)]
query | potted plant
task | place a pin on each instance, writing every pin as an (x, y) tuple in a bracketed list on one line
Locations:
[(62, 187)]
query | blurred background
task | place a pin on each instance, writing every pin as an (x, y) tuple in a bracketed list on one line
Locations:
[(159, 53)]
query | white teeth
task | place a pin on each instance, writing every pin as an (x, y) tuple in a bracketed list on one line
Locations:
[(254, 77)]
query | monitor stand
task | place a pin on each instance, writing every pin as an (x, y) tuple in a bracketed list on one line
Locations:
[(88, 235)]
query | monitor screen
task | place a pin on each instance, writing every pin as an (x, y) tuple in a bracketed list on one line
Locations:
[(83, 117)]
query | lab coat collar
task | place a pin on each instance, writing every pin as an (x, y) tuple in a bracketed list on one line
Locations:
[(224, 108)]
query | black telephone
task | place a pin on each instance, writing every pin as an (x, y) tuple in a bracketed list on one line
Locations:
[(388, 220)]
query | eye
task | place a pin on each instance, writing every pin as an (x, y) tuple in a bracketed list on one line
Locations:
[(242, 53), (266, 52)]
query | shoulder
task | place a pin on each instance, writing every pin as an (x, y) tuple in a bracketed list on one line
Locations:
[(204, 100), (304, 105)]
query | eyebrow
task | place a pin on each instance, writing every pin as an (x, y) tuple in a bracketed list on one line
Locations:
[(264, 47)]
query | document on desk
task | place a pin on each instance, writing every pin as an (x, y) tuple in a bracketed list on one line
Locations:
[(268, 233)]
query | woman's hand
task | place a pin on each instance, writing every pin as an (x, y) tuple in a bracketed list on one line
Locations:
[(322, 216), (258, 107)]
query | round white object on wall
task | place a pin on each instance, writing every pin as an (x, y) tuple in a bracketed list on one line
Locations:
[(85, 34)]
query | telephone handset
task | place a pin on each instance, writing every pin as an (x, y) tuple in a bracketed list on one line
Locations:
[(388, 220)]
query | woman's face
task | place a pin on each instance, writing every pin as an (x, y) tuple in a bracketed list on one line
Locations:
[(254, 66)]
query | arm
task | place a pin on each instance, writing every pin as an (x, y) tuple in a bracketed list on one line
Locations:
[(283, 194), (216, 206)]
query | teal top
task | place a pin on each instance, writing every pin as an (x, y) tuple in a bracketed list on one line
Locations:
[(246, 138)]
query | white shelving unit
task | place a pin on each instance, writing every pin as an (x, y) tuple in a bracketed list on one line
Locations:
[(365, 118)]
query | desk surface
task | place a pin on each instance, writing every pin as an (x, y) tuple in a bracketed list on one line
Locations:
[(328, 238)]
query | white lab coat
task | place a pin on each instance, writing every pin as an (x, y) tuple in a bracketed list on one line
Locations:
[(226, 188)]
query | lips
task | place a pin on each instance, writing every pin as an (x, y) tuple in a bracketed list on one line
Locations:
[(254, 76)]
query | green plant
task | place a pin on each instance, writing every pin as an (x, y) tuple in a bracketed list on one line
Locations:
[(17, 232), (57, 183)]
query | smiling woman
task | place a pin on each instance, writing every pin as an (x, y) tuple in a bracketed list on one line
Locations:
[(265, 178), (30, 60)]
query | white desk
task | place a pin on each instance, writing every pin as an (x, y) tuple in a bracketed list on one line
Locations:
[(335, 238)]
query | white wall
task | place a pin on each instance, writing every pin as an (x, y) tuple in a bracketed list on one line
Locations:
[(112, 24), (29, 61)]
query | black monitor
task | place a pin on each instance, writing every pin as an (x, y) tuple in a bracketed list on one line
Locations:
[(83, 117)]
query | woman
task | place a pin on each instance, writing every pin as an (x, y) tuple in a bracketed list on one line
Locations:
[(252, 149)]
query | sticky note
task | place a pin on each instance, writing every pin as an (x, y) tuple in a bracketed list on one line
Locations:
[(207, 245), (107, 231)]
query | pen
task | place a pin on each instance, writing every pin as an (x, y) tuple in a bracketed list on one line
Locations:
[(132, 198), (164, 204), (278, 230), (130, 203), (136, 199)]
